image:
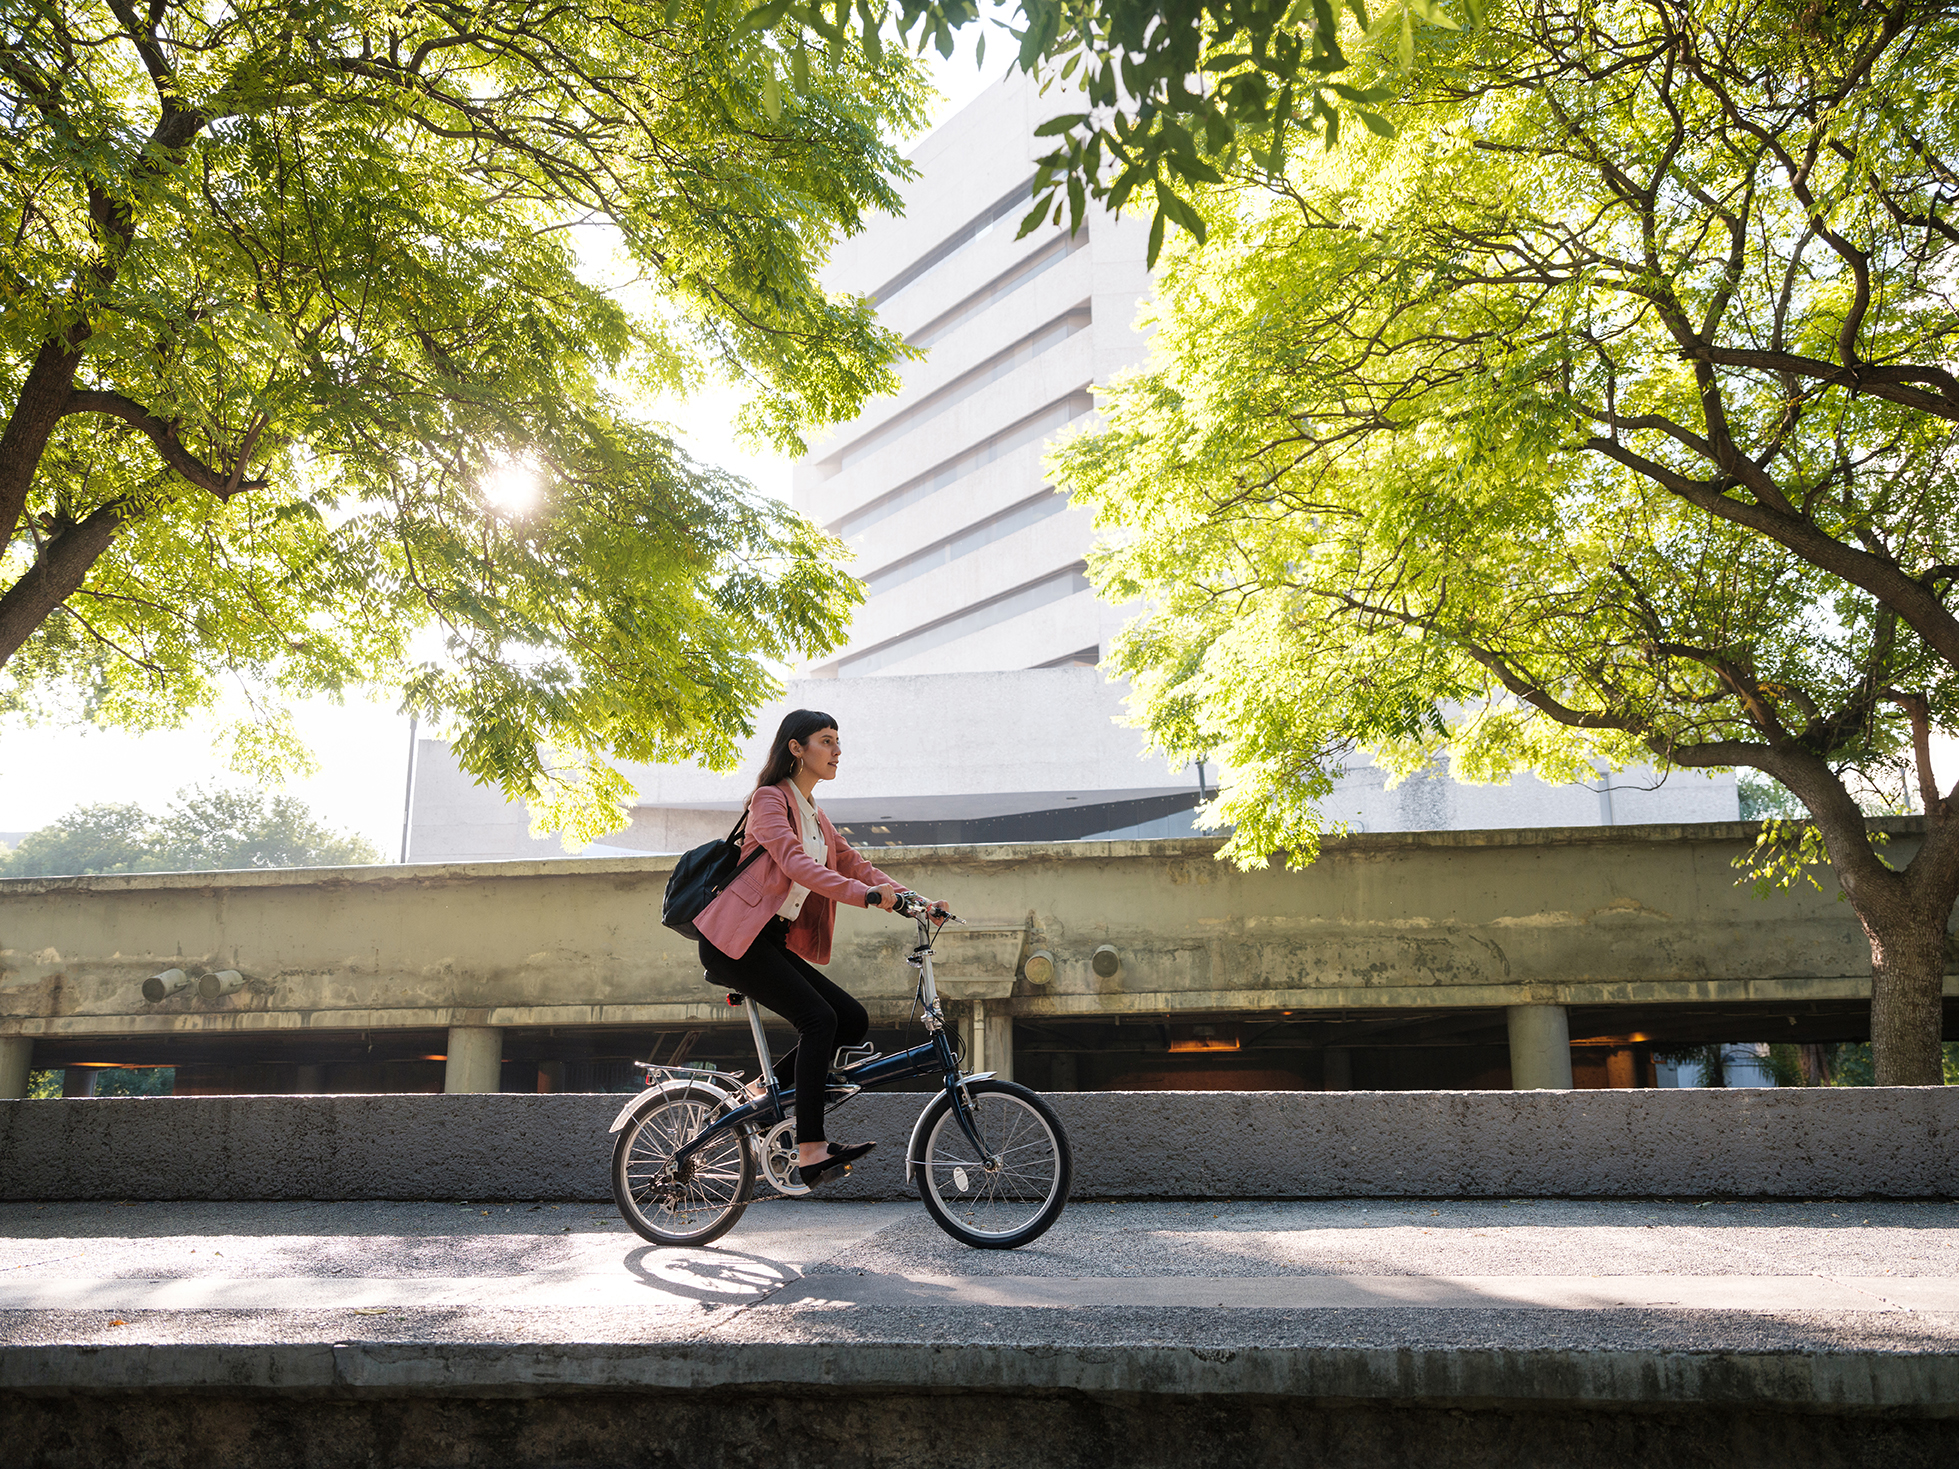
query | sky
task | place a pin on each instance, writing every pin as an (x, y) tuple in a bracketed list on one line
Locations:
[(361, 748)]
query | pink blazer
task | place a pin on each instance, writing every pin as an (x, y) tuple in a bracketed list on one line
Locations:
[(745, 907)]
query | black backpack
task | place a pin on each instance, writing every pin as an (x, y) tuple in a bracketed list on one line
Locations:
[(700, 875)]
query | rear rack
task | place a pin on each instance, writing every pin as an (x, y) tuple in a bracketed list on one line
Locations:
[(653, 1068)]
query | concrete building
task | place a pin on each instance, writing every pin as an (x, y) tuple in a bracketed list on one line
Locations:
[(1397, 961), (973, 562), (1040, 755)]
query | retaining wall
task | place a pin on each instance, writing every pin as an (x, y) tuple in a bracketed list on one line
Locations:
[(1884, 1142)]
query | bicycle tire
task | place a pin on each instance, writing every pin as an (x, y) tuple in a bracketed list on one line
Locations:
[(1005, 1208), (720, 1181)]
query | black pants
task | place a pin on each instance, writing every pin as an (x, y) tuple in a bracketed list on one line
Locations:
[(824, 1016)]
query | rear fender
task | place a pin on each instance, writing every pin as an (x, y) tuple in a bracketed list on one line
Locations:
[(654, 1094)]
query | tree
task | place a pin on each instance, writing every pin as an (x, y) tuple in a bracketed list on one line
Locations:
[(1604, 413), (299, 356), (203, 830), (1167, 90), (102, 838)]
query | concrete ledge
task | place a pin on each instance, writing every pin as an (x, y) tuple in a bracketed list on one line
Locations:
[(1875, 1142), (1924, 1385)]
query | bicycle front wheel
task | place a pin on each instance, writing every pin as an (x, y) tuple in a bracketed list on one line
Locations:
[(1014, 1194), (694, 1203)]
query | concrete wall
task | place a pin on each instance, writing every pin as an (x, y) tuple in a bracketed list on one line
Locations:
[(1901, 1142), (1597, 916)]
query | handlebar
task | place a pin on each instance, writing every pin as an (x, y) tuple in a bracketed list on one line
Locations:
[(908, 904)]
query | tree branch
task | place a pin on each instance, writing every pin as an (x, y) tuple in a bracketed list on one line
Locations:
[(1913, 600), (163, 434)]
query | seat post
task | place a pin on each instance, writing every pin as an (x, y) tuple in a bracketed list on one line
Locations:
[(761, 1040)]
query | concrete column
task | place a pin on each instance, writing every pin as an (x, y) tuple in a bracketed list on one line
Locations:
[(1540, 1048), (1000, 1045), (16, 1060), (973, 1024), (550, 1076), (1621, 1069), (309, 1080), (1337, 1069), (475, 1059), (1061, 1072), (78, 1081)]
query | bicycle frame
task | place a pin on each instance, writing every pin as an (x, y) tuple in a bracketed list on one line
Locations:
[(936, 1055)]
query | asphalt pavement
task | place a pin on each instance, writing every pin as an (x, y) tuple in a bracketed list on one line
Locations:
[(1703, 1275)]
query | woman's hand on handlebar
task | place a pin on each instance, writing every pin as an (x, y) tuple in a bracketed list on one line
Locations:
[(886, 894)]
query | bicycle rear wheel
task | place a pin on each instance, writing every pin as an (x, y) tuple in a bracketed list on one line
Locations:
[(694, 1204), (1016, 1200)]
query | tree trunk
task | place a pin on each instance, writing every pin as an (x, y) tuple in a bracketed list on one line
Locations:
[(42, 403), (1908, 960), (55, 576)]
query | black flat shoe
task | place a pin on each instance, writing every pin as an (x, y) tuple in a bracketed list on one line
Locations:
[(841, 1157)]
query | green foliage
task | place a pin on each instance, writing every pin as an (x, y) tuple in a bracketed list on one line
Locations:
[(1763, 799), (1785, 1065), (110, 1081), (1164, 93), (1531, 434), (1851, 1064), (301, 285), (102, 838), (1708, 1062), (135, 1081), (203, 830)]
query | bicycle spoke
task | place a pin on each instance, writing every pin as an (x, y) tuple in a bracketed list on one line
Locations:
[(1004, 1199), (685, 1199)]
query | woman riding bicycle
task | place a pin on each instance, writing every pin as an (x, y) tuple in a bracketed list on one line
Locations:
[(766, 933)]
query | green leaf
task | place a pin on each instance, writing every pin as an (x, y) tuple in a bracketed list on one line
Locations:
[(1057, 125), (1375, 123), (762, 17)]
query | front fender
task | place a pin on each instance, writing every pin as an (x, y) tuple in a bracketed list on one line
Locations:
[(914, 1150), (640, 1101)]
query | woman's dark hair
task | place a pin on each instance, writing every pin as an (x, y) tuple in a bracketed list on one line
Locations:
[(798, 725)]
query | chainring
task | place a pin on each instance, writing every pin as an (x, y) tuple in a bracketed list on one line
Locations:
[(778, 1149)]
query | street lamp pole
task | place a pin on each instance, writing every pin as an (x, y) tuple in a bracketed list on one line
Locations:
[(408, 791)]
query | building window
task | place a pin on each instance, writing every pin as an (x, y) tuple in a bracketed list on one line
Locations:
[(1000, 287), (964, 386), (1081, 658), (969, 233), (981, 615), (994, 528), (1031, 429)]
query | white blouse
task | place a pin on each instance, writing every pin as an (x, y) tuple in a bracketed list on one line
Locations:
[(813, 843)]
